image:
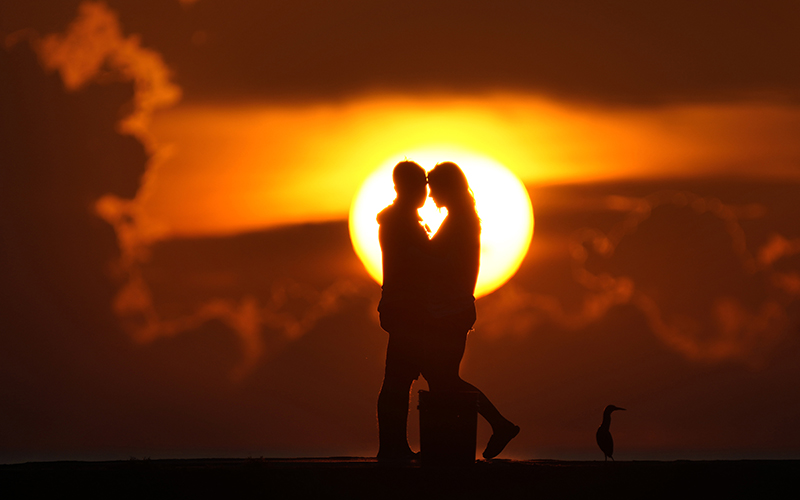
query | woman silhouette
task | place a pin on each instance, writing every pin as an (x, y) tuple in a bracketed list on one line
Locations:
[(455, 258)]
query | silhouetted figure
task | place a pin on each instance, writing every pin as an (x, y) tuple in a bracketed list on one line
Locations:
[(404, 241), (604, 439), (453, 273)]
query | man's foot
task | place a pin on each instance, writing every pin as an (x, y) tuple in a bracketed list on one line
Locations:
[(402, 456), (499, 440)]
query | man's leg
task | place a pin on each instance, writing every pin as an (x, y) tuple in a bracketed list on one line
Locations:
[(400, 374), (393, 419)]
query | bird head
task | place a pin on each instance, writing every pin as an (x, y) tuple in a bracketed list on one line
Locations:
[(612, 408)]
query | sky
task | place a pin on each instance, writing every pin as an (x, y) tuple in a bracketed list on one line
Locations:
[(179, 175), (555, 91)]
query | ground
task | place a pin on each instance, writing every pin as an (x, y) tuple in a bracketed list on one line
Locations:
[(352, 477)]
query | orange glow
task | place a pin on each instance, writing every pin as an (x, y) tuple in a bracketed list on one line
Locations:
[(231, 169)]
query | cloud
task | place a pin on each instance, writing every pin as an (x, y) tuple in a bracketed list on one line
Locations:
[(291, 311), (631, 53), (683, 261), (721, 325), (94, 48), (770, 256), (625, 53), (93, 55), (60, 153), (777, 247)]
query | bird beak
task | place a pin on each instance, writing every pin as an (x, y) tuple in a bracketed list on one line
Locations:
[(618, 408)]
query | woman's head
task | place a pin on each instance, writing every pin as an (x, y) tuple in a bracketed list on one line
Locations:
[(449, 187)]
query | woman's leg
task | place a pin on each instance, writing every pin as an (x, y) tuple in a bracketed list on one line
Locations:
[(445, 350)]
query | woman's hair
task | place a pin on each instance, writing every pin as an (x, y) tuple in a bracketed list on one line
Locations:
[(448, 177)]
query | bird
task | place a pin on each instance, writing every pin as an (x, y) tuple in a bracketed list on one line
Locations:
[(604, 439)]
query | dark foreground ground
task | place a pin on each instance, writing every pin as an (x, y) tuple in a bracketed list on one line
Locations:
[(346, 477)]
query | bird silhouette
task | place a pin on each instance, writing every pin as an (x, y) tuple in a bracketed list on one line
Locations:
[(604, 439)]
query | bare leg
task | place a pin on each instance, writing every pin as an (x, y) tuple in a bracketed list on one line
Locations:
[(485, 407), (442, 373)]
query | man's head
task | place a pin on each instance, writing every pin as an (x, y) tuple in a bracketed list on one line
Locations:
[(410, 183)]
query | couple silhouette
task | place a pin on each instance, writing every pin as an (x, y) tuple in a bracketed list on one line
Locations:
[(427, 302)]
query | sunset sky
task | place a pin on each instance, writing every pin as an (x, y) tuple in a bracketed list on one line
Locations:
[(177, 177)]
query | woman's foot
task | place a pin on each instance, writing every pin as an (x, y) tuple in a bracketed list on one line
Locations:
[(500, 438)]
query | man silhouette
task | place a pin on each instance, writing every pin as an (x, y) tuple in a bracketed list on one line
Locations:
[(403, 240)]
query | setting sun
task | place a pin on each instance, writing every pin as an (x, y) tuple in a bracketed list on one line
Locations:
[(501, 201)]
